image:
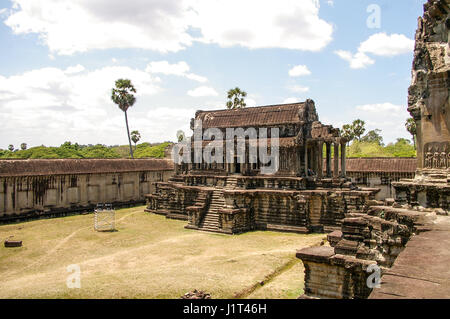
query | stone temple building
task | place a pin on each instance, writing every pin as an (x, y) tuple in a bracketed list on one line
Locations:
[(308, 192)]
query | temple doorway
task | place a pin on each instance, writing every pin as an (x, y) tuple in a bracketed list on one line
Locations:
[(237, 166)]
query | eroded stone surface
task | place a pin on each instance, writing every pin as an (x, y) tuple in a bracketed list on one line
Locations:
[(376, 237), (421, 270), (429, 104), (408, 239), (55, 187)]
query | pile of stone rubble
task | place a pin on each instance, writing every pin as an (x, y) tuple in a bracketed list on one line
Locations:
[(196, 295)]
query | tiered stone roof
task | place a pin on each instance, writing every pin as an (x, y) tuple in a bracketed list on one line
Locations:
[(380, 165), (271, 115), (33, 167)]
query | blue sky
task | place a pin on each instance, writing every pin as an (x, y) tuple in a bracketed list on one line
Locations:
[(59, 59)]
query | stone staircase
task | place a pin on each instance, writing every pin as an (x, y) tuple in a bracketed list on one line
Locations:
[(176, 179), (210, 221), (231, 183), (315, 213)]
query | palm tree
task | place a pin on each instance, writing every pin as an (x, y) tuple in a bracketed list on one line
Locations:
[(23, 146), (180, 136), (11, 147), (123, 97), (347, 132), (236, 98), (412, 129), (358, 127), (135, 137)]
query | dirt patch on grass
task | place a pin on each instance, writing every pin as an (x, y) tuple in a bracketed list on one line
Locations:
[(148, 257)]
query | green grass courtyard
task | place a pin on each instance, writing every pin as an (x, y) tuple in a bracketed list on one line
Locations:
[(148, 256)]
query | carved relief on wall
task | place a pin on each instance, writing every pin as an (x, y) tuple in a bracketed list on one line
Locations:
[(437, 155)]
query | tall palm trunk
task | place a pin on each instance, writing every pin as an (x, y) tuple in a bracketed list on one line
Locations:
[(128, 134)]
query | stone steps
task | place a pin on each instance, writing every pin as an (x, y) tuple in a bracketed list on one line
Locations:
[(231, 183), (210, 221)]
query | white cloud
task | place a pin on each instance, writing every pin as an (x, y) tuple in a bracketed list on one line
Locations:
[(357, 61), (51, 105), (291, 100), (299, 70), (379, 44), (330, 3), (387, 45), (290, 24), (178, 69), (202, 91), (299, 89), (250, 102), (74, 69), (70, 26), (385, 108)]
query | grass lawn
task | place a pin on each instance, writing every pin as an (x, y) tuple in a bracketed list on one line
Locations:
[(148, 256)]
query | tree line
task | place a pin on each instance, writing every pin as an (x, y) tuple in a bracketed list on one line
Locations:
[(75, 150), (371, 144), (355, 131)]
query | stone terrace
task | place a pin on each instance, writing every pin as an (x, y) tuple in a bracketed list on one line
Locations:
[(421, 270)]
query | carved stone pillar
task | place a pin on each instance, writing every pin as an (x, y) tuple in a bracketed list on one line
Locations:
[(320, 160), (306, 159), (328, 157), (336, 160), (343, 160), (314, 157), (191, 164)]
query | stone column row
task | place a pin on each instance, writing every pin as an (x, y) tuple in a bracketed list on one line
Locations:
[(314, 152)]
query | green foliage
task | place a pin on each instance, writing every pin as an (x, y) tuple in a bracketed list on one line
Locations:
[(66, 150), (347, 132), (236, 98), (122, 94), (402, 148), (373, 136), (354, 130), (122, 150), (34, 152), (145, 150), (45, 152), (358, 127), (98, 151), (366, 149), (135, 137)]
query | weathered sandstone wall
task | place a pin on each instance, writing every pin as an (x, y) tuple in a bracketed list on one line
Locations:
[(32, 188), (429, 104), (375, 238), (429, 98)]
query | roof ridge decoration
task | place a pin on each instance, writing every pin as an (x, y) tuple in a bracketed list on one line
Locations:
[(268, 115)]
